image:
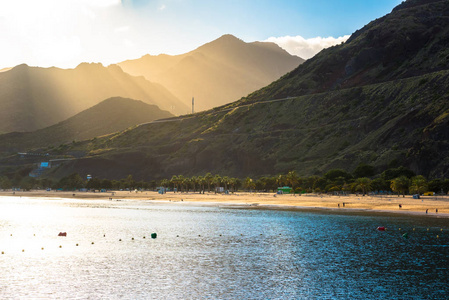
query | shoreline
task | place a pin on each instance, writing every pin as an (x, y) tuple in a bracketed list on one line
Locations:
[(386, 204)]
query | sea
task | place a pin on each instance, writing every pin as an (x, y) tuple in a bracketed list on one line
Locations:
[(215, 252)]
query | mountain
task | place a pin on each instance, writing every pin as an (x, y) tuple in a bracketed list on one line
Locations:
[(32, 98), (381, 98), (216, 73), (109, 116)]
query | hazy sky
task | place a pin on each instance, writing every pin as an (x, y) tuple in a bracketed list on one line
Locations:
[(64, 33)]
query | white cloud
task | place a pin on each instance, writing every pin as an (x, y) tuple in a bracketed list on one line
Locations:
[(162, 7), (306, 48)]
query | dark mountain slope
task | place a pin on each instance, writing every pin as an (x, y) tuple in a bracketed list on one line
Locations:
[(381, 124), (389, 110), (33, 98), (111, 115), (410, 41), (218, 72)]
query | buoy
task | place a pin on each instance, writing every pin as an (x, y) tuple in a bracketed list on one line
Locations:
[(104, 235), (177, 235), (154, 235), (427, 229), (437, 236), (42, 248), (441, 229), (143, 236), (399, 229), (119, 240), (413, 229), (132, 239), (11, 234), (92, 243), (62, 234), (77, 245), (405, 235), (381, 228), (60, 246), (3, 252), (23, 250)]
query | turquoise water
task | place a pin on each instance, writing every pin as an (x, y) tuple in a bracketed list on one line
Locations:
[(215, 253)]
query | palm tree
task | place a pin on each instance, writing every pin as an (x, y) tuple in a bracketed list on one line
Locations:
[(400, 185), (216, 181), (363, 183), (249, 183), (201, 183), (292, 179), (181, 182), (174, 180), (208, 177), (194, 181), (226, 180), (419, 184), (280, 179)]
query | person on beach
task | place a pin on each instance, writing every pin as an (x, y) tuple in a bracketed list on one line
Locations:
[(427, 210), (400, 205), (436, 210)]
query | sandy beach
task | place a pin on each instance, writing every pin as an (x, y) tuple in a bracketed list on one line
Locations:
[(436, 206)]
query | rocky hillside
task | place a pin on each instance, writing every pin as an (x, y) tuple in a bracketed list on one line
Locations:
[(381, 98), (216, 73)]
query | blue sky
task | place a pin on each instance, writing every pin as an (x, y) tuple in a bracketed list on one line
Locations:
[(64, 33)]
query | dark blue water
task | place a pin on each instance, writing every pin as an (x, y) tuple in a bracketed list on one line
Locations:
[(216, 253)]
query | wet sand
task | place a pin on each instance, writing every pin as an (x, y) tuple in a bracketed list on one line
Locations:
[(351, 203)]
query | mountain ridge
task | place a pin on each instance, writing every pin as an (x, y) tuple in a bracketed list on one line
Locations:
[(109, 116), (217, 72), (32, 98)]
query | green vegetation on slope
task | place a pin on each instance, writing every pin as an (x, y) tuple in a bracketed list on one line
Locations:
[(109, 116)]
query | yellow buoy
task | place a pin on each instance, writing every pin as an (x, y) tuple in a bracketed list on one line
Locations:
[(437, 236), (23, 250), (60, 246), (3, 252), (42, 248), (92, 243), (77, 245), (399, 228)]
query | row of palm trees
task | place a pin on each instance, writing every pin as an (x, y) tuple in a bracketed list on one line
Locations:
[(199, 183), (398, 180)]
